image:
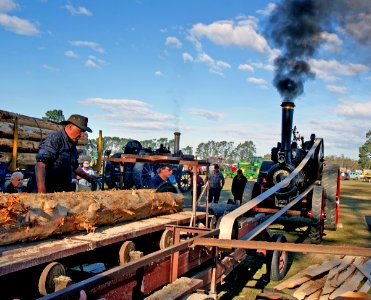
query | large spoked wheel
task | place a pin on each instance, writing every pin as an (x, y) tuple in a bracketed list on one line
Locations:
[(166, 187), (318, 215), (331, 184), (184, 181), (279, 260), (143, 173), (46, 280)]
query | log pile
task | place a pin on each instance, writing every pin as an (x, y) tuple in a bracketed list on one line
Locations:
[(28, 217), (345, 277), (29, 132)]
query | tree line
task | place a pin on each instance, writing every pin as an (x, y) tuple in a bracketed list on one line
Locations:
[(228, 150)]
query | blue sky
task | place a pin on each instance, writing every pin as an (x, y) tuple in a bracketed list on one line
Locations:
[(145, 69)]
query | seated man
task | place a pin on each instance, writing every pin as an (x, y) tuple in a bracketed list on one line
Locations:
[(309, 144), (163, 174), (16, 184)]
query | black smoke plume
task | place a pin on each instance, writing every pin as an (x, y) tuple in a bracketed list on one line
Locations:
[(295, 28)]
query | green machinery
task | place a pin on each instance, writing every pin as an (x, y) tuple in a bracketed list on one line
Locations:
[(251, 168)]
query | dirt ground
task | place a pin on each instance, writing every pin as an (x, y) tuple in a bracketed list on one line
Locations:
[(250, 278)]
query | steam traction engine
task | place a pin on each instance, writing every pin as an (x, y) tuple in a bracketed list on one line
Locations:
[(314, 184)]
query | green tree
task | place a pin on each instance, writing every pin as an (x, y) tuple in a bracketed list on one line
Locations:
[(187, 150), (365, 153), (55, 115)]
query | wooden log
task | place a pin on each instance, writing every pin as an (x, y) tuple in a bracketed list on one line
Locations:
[(23, 159), (26, 217), (6, 116), (29, 133)]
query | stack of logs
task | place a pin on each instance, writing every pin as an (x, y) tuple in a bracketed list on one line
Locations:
[(345, 277), (25, 133)]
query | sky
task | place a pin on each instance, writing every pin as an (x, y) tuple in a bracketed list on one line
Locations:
[(145, 69)]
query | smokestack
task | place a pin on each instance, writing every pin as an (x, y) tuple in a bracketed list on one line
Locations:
[(286, 130), (176, 142)]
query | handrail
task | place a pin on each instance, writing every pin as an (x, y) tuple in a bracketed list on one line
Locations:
[(227, 221)]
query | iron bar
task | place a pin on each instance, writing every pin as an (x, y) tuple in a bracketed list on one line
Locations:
[(290, 247)]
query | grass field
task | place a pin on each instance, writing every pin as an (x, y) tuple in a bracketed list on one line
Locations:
[(250, 278)]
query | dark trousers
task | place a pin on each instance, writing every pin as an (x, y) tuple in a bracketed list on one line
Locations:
[(214, 194), (237, 196)]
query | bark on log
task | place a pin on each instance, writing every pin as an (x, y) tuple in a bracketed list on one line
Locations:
[(9, 117), (26, 217), (24, 145), (23, 159), (29, 133)]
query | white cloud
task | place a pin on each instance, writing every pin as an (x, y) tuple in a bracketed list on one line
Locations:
[(70, 53), (173, 42), (266, 12), (94, 62), (81, 10), (267, 67), (331, 70), (50, 68), (215, 66), (18, 25), (246, 67), (7, 5), (92, 45), (354, 110), (368, 78), (159, 74), (133, 114), (215, 116), (336, 89), (187, 57), (257, 81), (332, 41), (229, 33)]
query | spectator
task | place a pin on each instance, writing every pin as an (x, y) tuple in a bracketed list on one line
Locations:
[(200, 183), (163, 174), (309, 144), (58, 157), (83, 183), (216, 183), (3, 170), (238, 186), (16, 184)]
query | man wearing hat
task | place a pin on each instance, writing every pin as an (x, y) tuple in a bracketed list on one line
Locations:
[(58, 157)]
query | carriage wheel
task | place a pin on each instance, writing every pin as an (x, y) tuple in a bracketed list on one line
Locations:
[(46, 280), (318, 214), (279, 260), (142, 174), (166, 187), (184, 181), (331, 184), (166, 239), (124, 253)]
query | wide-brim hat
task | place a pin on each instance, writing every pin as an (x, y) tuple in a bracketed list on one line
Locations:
[(79, 121)]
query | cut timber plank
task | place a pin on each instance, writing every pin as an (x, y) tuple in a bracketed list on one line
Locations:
[(345, 262), (274, 294), (325, 267), (295, 280), (365, 287), (315, 295), (366, 269), (354, 296), (309, 288), (351, 285), (177, 290)]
